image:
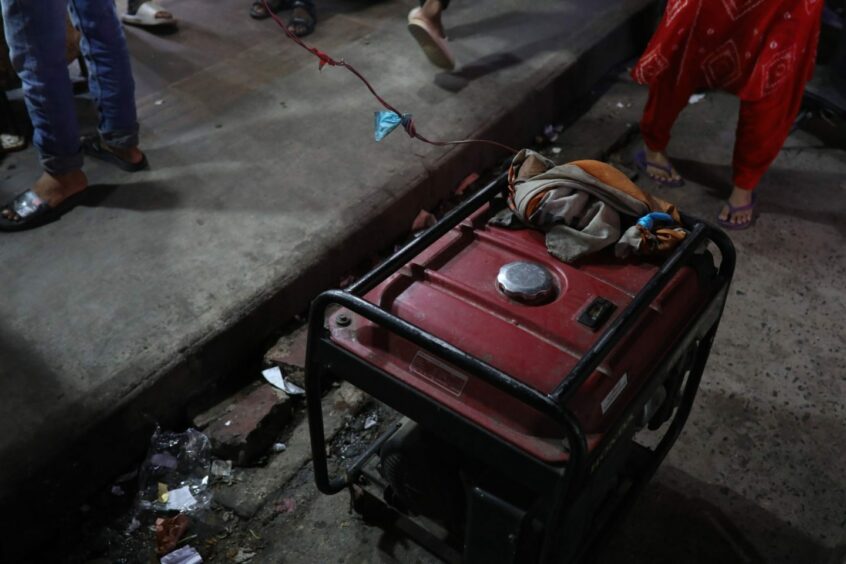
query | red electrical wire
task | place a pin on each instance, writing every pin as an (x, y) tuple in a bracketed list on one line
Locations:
[(407, 124)]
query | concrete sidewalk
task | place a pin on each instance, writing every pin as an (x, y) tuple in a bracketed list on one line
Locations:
[(265, 187)]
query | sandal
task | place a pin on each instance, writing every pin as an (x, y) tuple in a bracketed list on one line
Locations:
[(34, 212), (259, 12), (435, 47), (93, 147), (303, 26), (727, 223), (643, 164), (149, 14)]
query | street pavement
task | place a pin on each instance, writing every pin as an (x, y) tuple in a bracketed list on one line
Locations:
[(265, 187)]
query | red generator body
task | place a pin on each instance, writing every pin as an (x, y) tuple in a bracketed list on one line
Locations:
[(522, 382)]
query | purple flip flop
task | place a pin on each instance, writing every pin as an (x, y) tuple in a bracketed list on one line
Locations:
[(641, 163), (727, 224)]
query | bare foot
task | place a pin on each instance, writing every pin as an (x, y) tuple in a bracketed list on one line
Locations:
[(132, 155), (54, 190), (739, 198), (664, 170), (431, 11)]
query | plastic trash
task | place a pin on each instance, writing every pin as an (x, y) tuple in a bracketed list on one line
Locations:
[(185, 555), (221, 468), (386, 121), (371, 421), (175, 474), (275, 377)]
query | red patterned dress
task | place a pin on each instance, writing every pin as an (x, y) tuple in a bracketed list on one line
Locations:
[(761, 50)]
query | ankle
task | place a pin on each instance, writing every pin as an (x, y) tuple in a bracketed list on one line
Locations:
[(739, 196), (55, 188), (432, 9)]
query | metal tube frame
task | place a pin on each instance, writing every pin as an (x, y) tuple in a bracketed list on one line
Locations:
[(553, 404)]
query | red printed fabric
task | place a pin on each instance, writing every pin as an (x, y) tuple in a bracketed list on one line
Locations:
[(751, 48)]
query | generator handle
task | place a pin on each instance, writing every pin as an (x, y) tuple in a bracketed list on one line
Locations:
[(700, 233), (577, 443)]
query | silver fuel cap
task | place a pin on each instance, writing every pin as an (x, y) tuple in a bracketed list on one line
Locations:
[(526, 282)]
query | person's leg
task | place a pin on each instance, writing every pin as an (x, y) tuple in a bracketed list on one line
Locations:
[(427, 29), (110, 75), (762, 128), (35, 32), (662, 108), (431, 10)]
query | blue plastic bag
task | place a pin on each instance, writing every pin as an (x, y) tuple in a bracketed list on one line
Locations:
[(387, 121)]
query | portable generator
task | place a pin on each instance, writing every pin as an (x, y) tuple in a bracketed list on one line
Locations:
[(522, 381)]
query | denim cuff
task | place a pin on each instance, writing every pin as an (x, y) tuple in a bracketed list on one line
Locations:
[(122, 139), (61, 165)]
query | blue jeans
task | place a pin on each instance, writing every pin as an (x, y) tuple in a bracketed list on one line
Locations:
[(35, 32)]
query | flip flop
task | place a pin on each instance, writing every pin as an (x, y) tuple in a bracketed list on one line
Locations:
[(435, 47), (643, 164), (258, 11), (93, 147), (10, 142), (727, 224), (147, 15), (34, 212), (308, 23)]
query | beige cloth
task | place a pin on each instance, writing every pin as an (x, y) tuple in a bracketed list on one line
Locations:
[(582, 206)]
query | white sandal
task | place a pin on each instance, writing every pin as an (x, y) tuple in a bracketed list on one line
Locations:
[(434, 46), (149, 15)]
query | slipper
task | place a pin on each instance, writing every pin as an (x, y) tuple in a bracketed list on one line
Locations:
[(258, 11), (93, 147), (435, 47), (307, 24), (149, 14), (10, 142), (34, 212), (727, 224), (643, 164)]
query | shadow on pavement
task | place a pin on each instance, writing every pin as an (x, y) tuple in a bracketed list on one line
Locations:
[(681, 519)]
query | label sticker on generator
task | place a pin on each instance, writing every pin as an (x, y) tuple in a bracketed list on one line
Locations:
[(438, 372), (614, 393)]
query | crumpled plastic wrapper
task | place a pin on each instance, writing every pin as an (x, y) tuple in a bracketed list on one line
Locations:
[(175, 474)]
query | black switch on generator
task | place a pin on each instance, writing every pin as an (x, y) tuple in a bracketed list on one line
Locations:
[(597, 313)]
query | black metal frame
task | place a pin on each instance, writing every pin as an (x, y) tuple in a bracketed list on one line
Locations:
[(323, 355)]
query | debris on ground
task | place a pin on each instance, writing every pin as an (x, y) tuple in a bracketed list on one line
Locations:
[(371, 421), (243, 555), (468, 181), (170, 531), (275, 377), (696, 98), (424, 220), (279, 447), (175, 475), (221, 469), (184, 555), (286, 505)]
